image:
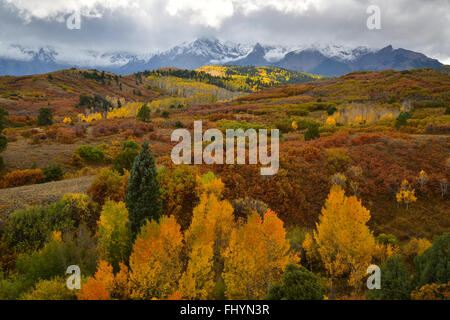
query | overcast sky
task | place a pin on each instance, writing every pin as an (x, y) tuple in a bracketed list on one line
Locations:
[(152, 25)]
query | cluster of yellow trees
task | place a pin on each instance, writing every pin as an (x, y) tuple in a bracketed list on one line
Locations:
[(214, 253), (219, 257), (197, 91), (357, 114)]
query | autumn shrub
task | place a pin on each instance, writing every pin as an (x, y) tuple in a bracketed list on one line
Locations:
[(65, 136), (22, 177), (90, 153), (365, 138), (81, 209), (246, 207), (432, 292), (103, 129), (285, 126), (108, 184), (437, 129), (414, 247), (29, 228), (136, 128), (338, 159), (54, 289), (310, 153)]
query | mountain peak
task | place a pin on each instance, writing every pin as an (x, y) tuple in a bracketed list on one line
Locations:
[(328, 59)]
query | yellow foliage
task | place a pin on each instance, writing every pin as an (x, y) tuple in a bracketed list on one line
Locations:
[(209, 184), (330, 121), (256, 257), (90, 117), (406, 194), (212, 221), (114, 235), (344, 241), (197, 282), (155, 262)]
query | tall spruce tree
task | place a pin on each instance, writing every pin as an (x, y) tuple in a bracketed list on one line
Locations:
[(143, 191)]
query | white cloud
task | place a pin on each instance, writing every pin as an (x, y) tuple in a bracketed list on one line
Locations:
[(212, 13), (57, 9)]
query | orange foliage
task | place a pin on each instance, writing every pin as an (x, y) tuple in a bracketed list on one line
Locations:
[(22, 177)]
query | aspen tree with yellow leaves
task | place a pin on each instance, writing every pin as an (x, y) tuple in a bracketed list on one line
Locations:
[(212, 223), (344, 242), (155, 261), (406, 194), (256, 257)]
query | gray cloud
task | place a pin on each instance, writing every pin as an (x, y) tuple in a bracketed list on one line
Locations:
[(144, 26)]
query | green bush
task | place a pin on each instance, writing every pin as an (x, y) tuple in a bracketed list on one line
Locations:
[(165, 114), (53, 172), (29, 229), (45, 117), (124, 160), (312, 132), (402, 119), (13, 286), (55, 289), (298, 283), (90, 153), (395, 281), (131, 144), (71, 248), (433, 266)]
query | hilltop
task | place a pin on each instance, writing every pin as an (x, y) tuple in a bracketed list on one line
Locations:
[(61, 90)]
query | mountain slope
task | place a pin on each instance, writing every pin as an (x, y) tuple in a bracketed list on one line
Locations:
[(61, 90)]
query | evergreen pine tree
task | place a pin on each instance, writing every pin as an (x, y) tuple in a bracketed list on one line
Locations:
[(45, 117), (143, 190), (144, 113), (395, 281)]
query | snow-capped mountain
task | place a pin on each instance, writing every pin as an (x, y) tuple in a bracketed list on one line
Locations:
[(329, 60)]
